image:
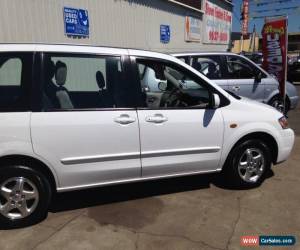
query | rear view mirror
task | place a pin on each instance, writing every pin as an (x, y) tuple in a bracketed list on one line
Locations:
[(162, 85), (216, 101)]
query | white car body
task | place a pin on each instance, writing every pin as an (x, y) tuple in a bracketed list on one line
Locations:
[(83, 149)]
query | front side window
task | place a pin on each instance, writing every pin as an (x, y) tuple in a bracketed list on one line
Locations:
[(15, 81), (164, 85), (210, 66), (239, 68), (84, 82)]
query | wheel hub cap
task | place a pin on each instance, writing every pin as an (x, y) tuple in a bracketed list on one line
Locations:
[(251, 165), (18, 198)]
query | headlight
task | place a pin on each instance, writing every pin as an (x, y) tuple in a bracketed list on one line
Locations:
[(283, 122)]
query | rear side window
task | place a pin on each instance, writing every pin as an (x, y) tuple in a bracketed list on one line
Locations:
[(15, 81), (84, 82), (210, 66)]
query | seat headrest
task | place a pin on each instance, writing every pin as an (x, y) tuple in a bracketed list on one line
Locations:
[(197, 65), (100, 79), (50, 66), (60, 73)]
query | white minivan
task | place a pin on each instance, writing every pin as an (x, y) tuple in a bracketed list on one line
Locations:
[(76, 117)]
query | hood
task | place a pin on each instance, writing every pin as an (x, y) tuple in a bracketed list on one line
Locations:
[(258, 106)]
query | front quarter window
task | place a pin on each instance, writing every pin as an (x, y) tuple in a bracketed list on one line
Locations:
[(240, 68)]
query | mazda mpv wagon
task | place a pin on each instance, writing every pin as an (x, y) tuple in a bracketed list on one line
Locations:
[(76, 117)]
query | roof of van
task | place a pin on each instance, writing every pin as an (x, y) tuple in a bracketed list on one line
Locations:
[(179, 54), (80, 48)]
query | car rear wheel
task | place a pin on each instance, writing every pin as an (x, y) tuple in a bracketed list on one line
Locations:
[(248, 164), (24, 196)]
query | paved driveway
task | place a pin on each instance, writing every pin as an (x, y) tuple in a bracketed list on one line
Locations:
[(183, 213)]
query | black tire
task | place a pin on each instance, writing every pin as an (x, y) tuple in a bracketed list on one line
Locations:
[(31, 178), (232, 172), (277, 102)]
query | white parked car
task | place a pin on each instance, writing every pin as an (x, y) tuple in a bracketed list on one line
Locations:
[(76, 117), (243, 77)]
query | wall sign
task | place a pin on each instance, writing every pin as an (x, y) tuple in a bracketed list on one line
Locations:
[(165, 33), (76, 22), (218, 23), (192, 29)]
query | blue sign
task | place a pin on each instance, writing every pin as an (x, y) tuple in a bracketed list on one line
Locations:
[(165, 33), (76, 22)]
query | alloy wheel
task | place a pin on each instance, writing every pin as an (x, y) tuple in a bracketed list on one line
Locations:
[(19, 198), (251, 165)]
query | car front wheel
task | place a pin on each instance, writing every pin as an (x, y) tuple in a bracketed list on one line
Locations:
[(248, 164)]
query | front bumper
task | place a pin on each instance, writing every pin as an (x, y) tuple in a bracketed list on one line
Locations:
[(286, 143)]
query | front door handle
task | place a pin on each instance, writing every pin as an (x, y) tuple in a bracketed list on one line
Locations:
[(157, 118), (236, 88), (124, 119)]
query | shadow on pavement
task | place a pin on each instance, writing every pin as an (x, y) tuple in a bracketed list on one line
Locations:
[(125, 192)]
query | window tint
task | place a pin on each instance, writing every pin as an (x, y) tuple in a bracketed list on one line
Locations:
[(84, 82), (15, 81), (239, 68), (210, 66), (165, 85)]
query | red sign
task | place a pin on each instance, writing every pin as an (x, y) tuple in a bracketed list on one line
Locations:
[(247, 241), (274, 48), (245, 17)]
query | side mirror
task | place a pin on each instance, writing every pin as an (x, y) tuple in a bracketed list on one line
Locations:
[(162, 85), (258, 77), (216, 101)]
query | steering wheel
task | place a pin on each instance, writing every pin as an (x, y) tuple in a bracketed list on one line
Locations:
[(174, 99)]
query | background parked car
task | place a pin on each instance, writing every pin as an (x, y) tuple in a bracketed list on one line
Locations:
[(238, 74), (293, 71)]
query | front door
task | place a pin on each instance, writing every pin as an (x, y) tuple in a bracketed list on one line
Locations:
[(87, 129), (179, 133)]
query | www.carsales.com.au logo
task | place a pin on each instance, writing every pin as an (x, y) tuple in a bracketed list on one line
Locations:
[(252, 241)]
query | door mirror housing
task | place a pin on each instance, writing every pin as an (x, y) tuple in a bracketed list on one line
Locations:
[(216, 101), (258, 77)]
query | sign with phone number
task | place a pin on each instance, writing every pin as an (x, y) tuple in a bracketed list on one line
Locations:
[(218, 23)]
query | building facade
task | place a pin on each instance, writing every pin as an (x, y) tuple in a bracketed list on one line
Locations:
[(160, 25)]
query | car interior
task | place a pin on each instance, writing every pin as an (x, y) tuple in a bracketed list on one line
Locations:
[(164, 86), (68, 86), (208, 67)]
